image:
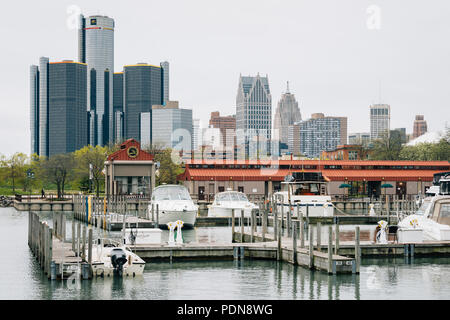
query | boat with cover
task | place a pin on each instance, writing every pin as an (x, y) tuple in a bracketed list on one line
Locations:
[(225, 202)]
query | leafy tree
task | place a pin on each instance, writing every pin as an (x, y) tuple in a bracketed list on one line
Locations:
[(168, 170), (14, 168), (94, 158), (57, 169), (387, 147)]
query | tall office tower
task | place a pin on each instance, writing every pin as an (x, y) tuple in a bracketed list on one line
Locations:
[(166, 120), (67, 121), (58, 107), (196, 134), (343, 130), (294, 139), (142, 89), (380, 120), (43, 106), (253, 112), (319, 134), (419, 127), (96, 49), (227, 126), (118, 106), (34, 109), (287, 114), (361, 138), (165, 70)]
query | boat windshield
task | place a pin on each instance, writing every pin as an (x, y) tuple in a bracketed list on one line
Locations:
[(423, 208), (305, 188), (171, 193), (231, 196), (445, 187)]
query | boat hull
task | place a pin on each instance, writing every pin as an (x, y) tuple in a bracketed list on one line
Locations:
[(218, 211), (188, 217)]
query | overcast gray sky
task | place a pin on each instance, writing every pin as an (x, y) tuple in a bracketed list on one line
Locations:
[(334, 53)]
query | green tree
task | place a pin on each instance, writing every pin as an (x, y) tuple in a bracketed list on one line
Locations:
[(14, 169), (387, 147), (57, 169), (168, 170), (91, 162)]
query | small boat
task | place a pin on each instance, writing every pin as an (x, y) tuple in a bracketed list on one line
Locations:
[(111, 258), (432, 220), (225, 201), (306, 190), (174, 203)]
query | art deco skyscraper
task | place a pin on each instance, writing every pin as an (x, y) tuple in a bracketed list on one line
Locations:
[(287, 114), (96, 49), (253, 110)]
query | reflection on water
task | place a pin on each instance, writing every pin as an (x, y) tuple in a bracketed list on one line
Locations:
[(21, 277)]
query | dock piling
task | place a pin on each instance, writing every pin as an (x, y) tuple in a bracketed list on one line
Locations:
[(232, 225), (319, 233), (336, 248), (311, 248), (242, 225), (357, 249), (302, 228), (330, 249), (294, 243)]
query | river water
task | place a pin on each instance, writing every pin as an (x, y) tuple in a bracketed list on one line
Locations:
[(394, 278)]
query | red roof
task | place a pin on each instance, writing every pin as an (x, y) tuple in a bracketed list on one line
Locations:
[(122, 153)]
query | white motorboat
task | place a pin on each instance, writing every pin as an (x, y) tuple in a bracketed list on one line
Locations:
[(433, 216), (174, 203), (110, 258), (306, 190), (225, 202)]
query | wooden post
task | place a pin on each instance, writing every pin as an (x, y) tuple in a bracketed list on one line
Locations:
[(330, 249), (83, 252), (275, 225), (78, 239), (49, 249), (357, 250), (90, 248), (73, 234), (242, 225), (153, 212), (252, 224), (336, 248), (289, 220), (302, 227), (282, 225), (279, 244), (294, 243), (232, 225), (157, 215), (319, 233), (311, 248), (264, 225)]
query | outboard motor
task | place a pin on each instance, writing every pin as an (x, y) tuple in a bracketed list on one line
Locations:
[(118, 259)]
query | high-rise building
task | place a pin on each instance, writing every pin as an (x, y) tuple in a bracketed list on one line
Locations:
[(166, 124), (380, 120), (67, 115), (254, 113), (319, 134), (419, 127), (143, 88), (294, 139), (118, 106), (96, 49), (227, 126), (361, 138), (58, 107), (286, 114), (401, 134), (165, 70), (196, 134), (34, 109)]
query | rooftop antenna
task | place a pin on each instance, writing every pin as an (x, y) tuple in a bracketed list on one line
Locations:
[(287, 89)]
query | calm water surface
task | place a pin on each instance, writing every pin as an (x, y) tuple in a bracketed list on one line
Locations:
[(22, 278)]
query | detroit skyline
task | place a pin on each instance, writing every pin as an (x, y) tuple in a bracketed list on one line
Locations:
[(334, 65)]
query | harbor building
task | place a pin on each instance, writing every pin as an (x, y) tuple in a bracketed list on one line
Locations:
[(380, 120), (419, 126), (59, 120), (172, 126), (130, 170), (96, 49), (286, 114), (254, 114), (345, 152), (142, 88), (205, 178)]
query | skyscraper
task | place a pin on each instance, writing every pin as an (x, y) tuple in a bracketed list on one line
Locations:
[(419, 127), (166, 120), (287, 114), (196, 138), (118, 106), (143, 88), (96, 49), (253, 112), (165, 69), (380, 117), (58, 107), (227, 126), (67, 115)]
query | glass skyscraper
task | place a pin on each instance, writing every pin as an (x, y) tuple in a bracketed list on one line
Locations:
[(380, 120), (34, 109), (142, 88), (96, 49), (165, 70), (118, 107)]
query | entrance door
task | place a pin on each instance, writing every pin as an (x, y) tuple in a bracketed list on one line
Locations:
[(201, 193), (400, 189), (374, 189)]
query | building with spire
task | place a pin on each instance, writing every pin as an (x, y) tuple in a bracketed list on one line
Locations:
[(286, 114)]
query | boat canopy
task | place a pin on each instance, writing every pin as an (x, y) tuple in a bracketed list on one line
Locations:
[(231, 196), (171, 193)]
